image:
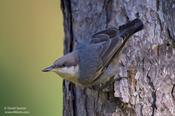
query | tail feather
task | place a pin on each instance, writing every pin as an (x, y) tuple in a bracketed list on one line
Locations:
[(130, 28)]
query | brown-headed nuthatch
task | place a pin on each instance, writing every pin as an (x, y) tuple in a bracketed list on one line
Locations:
[(88, 61)]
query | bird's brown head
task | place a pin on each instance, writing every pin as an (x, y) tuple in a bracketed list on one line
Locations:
[(68, 60), (66, 67)]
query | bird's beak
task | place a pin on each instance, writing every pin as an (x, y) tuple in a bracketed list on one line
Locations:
[(48, 69)]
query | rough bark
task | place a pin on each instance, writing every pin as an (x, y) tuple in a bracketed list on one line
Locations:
[(145, 75)]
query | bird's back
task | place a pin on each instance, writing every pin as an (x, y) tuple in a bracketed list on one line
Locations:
[(89, 62)]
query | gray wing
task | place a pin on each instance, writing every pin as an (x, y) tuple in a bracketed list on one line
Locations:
[(108, 49), (115, 39), (104, 46), (107, 43), (104, 35)]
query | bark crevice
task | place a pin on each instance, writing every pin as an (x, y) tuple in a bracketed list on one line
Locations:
[(173, 91), (153, 105)]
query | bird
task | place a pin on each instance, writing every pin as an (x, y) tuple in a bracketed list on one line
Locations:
[(84, 65)]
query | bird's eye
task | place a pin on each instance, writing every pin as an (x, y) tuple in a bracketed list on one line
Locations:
[(63, 65)]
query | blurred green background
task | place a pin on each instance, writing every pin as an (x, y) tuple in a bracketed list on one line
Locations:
[(31, 37)]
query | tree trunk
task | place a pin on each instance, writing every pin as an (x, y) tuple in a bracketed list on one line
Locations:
[(145, 74)]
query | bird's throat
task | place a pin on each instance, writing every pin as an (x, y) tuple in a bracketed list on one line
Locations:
[(68, 73)]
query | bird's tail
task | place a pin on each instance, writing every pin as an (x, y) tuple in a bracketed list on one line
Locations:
[(130, 28)]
